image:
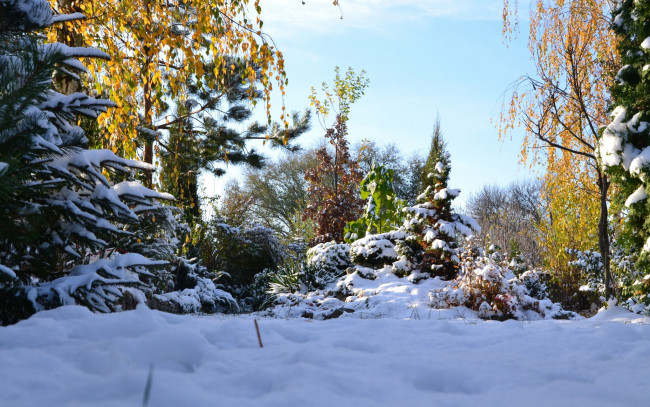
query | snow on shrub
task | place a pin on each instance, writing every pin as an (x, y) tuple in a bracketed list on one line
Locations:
[(376, 250), (434, 226), (496, 293), (204, 297), (299, 277), (194, 292), (487, 291), (631, 285), (332, 257), (591, 265)]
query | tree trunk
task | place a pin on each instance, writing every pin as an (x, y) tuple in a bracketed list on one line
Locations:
[(147, 156), (603, 233), (67, 84), (148, 144)]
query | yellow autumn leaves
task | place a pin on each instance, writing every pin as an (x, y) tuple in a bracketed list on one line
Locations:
[(561, 107), (157, 47)]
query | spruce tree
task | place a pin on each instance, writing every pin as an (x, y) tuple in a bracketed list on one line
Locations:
[(625, 143), (432, 223), (57, 207), (437, 153)]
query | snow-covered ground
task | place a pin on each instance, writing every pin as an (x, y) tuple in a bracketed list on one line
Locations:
[(72, 357)]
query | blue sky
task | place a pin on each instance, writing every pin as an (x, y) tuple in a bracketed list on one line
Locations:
[(423, 57)]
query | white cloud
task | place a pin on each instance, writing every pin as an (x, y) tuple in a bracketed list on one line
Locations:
[(291, 17)]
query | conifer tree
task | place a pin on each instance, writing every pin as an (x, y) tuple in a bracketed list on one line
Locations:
[(432, 223), (211, 140), (625, 142), (57, 207), (436, 154)]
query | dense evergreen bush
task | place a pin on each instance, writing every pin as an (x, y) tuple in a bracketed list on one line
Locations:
[(239, 252)]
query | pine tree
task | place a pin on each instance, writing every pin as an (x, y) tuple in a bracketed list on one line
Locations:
[(625, 142), (57, 207), (204, 135), (432, 223)]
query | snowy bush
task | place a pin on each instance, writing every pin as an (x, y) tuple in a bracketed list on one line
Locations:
[(434, 225), (535, 283), (331, 257), (194, 292), (485, 290), (632, 283), (100, 286), (496, 293), (518, 265), (254, 296), (631, 286), (591, 265), (376, 250)]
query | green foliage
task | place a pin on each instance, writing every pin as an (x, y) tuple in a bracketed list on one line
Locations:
[(213, 139), (383, 209), (437, 154), (406, 170), (254, 296), (347, 89), (180, 165), (628, 134), (156, 235), (241, 253), (299, 277)]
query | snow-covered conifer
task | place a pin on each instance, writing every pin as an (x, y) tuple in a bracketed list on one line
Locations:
[(432, 224), (624, 145), (58, 209)]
